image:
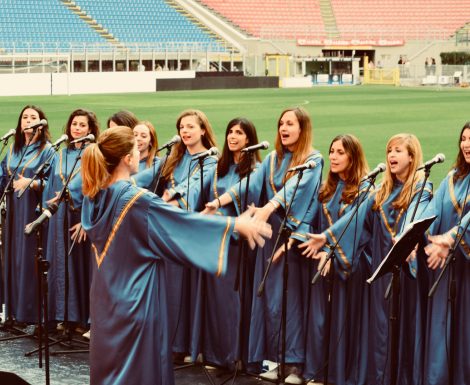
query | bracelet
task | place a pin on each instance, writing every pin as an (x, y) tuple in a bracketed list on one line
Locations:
[(276, 205), (218, 200)]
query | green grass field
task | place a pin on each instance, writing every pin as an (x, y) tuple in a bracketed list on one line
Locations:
[(372, 113)]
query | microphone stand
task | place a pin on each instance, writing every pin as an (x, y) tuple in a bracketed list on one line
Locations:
[(285, 233), (394, 290), (241, 266), (66, 337), (7, 197), (452, 294), (42, 268), (202, 280), (160, 170), (331, 256)]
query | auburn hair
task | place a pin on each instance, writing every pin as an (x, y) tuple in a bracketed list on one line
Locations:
[(178, 150), (461, 166), (357, 167), (303, 146)]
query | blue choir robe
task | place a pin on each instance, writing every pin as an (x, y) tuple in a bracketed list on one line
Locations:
[(143, 164), (146, 177), (216, 331), (349, 307), (182, 283), (447, 205), (372, 233), (59, 243), (132, 233), (20, 272), (265, 326)]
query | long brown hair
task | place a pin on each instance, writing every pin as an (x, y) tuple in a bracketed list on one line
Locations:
[(44, 135), (178, 150), (93, 123), (153, 146), (303, 146), (462, 167), (244, 165), (357, 167), (413, 147), (100, 159)]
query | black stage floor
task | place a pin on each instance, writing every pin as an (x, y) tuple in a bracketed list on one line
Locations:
[(73, 369)]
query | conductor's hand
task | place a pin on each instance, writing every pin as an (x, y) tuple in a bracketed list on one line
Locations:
[(78, 234), (280, 251), (252, 229)]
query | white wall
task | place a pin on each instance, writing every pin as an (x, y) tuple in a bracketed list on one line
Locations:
[(84, 82)]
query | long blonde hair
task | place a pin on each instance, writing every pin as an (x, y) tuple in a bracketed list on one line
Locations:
[(303, 146), (413, 177), (100, 159), (356, 169), (178, 150)]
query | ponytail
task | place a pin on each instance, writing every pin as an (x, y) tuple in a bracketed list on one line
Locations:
[(100, 159)]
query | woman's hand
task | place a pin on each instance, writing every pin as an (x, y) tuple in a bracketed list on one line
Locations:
[(315, 243), (280, 251), (326, 269), (78, 234), (438, 249), (211, 207), (166, 196), (252, 229), (21, 183)]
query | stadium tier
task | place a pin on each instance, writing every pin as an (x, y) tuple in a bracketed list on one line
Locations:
[(344, 19), (61, 24), (37, 24), (400, 19), (272, 18)]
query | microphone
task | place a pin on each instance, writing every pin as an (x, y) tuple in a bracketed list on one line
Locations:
[(49, 212), (170, 143), (439, 158), (260, 146), (59, 141), (306, 166), (211, 151), (376, 171), (9, 134), (42, 122), (88, 138)]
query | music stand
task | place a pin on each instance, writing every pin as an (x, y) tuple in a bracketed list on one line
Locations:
[(394, 260)]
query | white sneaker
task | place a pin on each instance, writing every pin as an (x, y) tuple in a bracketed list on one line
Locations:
[(294, 379), (87, 334), (270, 375)]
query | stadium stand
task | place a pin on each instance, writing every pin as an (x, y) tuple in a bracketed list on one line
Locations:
[(400, 19), (149, 21), (345, 19), (42, 24), (34, 25), (272, 18)]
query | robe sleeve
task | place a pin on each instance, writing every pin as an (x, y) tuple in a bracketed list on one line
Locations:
[(180, 192), (356, 235), (306, 193), (189, 238)]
